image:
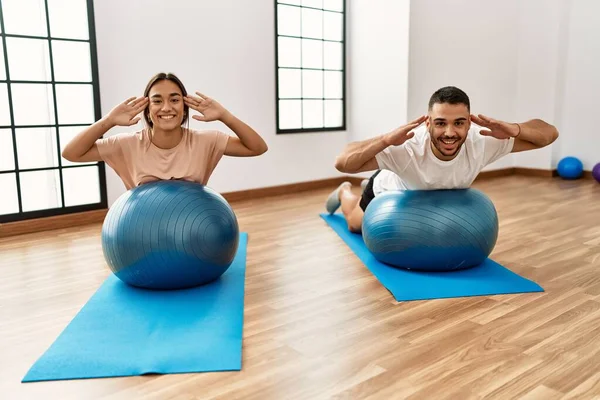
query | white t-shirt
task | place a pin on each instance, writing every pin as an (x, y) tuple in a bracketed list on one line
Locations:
[(413, 166)]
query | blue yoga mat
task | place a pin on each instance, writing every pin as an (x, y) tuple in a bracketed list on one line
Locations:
[(125, 331), (489, 278)]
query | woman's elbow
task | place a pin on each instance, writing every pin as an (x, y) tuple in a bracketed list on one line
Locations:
[(67, 155), (261, 150)]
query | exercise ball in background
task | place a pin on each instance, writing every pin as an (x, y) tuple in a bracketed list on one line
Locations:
[(596, 172), (170, 235), (431, 230), (570, 168)]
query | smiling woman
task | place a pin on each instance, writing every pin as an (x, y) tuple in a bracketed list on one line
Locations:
[(166, 149)]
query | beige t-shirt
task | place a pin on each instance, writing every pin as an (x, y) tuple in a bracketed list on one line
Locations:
[(137, 160)]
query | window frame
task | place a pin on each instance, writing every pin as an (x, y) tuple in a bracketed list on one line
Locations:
[(342, 127), (61, 209)]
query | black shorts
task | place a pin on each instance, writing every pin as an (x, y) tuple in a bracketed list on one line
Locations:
[(368, 193)]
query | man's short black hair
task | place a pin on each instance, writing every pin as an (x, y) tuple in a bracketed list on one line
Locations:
[(450, 95)]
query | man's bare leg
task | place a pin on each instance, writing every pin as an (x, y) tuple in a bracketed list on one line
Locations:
[(351, 208), (343, 197)]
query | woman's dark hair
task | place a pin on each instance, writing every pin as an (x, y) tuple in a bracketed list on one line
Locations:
[(166, 76)]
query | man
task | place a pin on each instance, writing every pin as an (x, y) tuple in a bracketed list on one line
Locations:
[(448, 152)]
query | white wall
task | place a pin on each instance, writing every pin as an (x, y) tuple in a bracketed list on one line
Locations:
[(224, 49), (580, 137), (542, 35), (516, 59), (471, 44), (378, 69)]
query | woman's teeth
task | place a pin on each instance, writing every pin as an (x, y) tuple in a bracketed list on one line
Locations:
[(166, 117)]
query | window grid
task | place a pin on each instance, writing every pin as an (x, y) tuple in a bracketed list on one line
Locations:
[(10, 108), (301, 68), (60, 174), (62, 209)]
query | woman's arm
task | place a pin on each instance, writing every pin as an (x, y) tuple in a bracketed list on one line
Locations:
[(82, 148), (248, 142)]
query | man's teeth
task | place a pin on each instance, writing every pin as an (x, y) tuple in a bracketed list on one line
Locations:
[(449, 141)]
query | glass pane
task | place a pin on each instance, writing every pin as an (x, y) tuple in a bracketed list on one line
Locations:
[(33, 104), (9, 201), (66, 134), (2, 68), (312, 53), (333, 55), (7, 158), (68, 19), (4, 105), (333, 113), (313, 3), (82, 186), (289, 52), (312, 84), (40, 190), (333, 84), (333, 26), (75, 104), (290, 114), (312, 114), (72, 61), (36, 148), (28, 59), (290, 83), (25, 17), (288, 20), (335, 5), (312, 23), (297, 2)]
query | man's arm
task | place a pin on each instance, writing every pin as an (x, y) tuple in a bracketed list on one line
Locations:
[(534, 134), (360, 156), (530, 135)]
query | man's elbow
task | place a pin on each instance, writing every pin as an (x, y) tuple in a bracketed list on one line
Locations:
[(341, 165), (552, 135)]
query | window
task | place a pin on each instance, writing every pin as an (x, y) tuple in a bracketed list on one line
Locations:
[(48, 94), (310, 58)]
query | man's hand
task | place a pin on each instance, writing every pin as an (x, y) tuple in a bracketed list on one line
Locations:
[(497, 129), (403, 133)]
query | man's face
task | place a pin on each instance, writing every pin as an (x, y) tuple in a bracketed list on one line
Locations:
[(448, 125)]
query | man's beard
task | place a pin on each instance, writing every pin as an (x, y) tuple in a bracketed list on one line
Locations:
[(439, 145)]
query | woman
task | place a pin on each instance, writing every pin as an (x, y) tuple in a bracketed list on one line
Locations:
[(166, 148)]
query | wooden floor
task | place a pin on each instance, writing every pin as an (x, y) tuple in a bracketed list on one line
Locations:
[(319, 325)]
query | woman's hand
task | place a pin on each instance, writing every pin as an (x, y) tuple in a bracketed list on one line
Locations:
[(125, 113), (210, 109)]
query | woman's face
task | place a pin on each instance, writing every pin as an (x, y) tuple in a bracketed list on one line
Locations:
[(166, 106)]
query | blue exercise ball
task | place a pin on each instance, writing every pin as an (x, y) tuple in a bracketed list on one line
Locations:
[(431, 230), (170, 235), (570, 168)]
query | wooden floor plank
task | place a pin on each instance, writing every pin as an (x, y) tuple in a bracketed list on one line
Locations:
[(318, 324)]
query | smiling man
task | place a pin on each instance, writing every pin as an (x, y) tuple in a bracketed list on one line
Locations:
[(447, 152)]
